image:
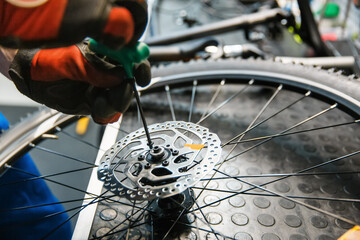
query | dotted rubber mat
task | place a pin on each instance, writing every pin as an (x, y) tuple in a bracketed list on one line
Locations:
[(255, 214)]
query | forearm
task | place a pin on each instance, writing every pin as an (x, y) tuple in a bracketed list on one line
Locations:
[(6, 57)]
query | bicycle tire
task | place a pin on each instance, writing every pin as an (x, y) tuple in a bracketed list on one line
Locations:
[(328, 86)]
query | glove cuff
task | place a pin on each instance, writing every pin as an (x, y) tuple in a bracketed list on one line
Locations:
[(20, 70)]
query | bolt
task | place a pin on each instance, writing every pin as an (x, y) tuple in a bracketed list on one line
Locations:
[(165, 163), (157, 149), (141, 157), (147, 166), (175, 152)]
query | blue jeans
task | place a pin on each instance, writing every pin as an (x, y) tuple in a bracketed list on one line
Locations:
[(32, 222)]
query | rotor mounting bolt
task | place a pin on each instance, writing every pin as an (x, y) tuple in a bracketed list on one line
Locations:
[(141, 157), (165, 163), (147, 166), (175, 152)]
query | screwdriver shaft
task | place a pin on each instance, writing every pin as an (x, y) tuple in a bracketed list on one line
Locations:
[(136, 93)]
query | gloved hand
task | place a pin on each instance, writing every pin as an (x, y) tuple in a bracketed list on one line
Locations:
[(74, 80), (53, 23)]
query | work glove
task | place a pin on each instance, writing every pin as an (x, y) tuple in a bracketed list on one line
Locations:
[(54, 23), (74, 80)]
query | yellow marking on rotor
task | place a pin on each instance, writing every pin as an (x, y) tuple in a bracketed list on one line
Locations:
[(195, 146)]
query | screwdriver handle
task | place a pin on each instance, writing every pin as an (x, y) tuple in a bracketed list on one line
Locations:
[(126, 56)]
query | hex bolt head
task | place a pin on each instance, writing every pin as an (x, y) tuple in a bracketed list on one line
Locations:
[(156, 149), (141, 157), (165, 163), (147, 166), (175, 152)]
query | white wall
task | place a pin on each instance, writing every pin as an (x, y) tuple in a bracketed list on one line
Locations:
[(10, 96)]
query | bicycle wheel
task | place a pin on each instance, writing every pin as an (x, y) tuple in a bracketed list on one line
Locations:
[(289, 167)]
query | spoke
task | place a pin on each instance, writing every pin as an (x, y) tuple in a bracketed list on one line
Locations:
[(201, 229), (270, 117), (179, 216), (124, 229), (59, 129), (192, 100), (77, 138), (112, 232), (282, 178), (86, 142), (132, 214), (206, 220), (48, 216), (352, 200), (174, 223), (251, 82), (167, 90), (69, 218), (196, 162), (284, 131), (117, 128), (296, 201), (43, 205), (61, 154), (50, 180), (218, 89), (290, 196), (255, 119), (176, 220), (292, 133), (250, 125), (281, 175), (45, 176)]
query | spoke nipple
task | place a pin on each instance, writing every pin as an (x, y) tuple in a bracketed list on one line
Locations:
[(333, 106), (31, 145)]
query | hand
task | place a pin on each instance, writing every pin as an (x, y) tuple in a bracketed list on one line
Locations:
[(65, 22), (74, 80)]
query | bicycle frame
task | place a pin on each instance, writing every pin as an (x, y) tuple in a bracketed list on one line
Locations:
[(308, 31)]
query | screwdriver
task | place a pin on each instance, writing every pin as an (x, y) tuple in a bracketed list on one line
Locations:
[(127, 57)]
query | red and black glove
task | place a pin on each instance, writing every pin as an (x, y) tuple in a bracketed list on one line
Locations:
[(52, 23), (74, 80)]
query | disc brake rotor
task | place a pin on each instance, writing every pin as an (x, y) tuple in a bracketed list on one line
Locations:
[(183, 153)]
